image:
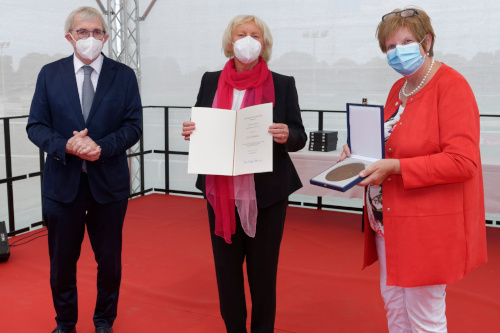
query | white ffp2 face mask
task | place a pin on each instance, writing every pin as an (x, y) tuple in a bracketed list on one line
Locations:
[(88, 48), (247, 49)]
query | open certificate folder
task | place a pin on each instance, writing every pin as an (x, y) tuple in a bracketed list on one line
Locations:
[(231, 143)]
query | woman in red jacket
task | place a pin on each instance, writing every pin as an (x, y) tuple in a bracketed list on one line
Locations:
[(428, 228)]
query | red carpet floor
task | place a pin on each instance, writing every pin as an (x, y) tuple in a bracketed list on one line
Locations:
[(169, 281)]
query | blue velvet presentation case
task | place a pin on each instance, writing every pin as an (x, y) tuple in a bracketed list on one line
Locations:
[(365, 138)]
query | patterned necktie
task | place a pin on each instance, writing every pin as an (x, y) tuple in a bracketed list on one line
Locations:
[(87, 92)]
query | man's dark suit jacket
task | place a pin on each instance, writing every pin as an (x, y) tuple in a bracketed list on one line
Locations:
[(114, 123), (270, 187)]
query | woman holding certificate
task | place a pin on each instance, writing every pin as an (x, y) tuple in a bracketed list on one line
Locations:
[(247, 213), (424, 211)]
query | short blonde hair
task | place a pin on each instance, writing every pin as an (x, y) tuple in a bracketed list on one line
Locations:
[(87, 14), (227, 38), (419, 25)]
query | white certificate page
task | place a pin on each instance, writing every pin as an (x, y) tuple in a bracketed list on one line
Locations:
[(254, 144), (212, 142), (230, 143)]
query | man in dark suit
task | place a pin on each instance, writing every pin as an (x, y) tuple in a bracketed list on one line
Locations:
[(86, 112)]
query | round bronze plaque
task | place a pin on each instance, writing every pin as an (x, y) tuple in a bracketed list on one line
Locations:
[(345, 172)]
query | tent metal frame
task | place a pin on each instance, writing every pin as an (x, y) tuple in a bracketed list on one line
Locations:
[(124, 46)]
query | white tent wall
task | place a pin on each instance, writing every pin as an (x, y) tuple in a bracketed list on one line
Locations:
[(329, 46)]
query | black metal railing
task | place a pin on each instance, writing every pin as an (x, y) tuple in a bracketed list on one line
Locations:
[(10, 179), (167, 152)]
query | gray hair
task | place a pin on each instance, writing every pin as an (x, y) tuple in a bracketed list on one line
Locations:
[(87, 14), (227, 38)]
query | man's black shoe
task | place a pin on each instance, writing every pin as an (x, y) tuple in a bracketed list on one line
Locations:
[(57, 330), (103, 330)]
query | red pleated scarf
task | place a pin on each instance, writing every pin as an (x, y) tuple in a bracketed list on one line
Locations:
[(259, 86)]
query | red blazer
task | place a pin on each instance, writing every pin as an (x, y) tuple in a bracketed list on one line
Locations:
[(434, 220)]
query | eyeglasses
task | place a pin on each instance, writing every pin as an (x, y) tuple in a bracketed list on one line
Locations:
[(403, 13), (97, 34)]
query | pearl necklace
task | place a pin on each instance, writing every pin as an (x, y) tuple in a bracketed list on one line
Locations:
[(419, 86)]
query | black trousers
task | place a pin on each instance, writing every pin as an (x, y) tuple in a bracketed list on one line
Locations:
[(261, 255), (66, 228)]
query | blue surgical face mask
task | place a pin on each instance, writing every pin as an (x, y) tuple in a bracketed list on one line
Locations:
[(405, 59)]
